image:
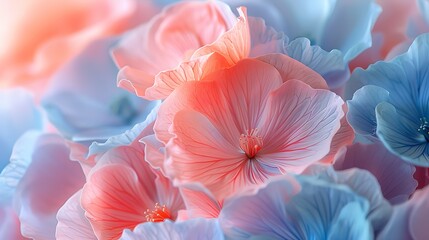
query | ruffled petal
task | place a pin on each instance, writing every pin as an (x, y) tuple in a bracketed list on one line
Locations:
[(330, 65), (168, 39)]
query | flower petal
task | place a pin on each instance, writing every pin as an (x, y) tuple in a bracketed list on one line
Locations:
[(72, 222), (398, 136), (361, 114), (299, 125)]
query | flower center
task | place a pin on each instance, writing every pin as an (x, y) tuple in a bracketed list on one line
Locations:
[(251, 143), (123, 108), (424, 128), (158, 214)]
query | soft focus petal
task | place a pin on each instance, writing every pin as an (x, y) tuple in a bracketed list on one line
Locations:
[(9, 224), (354, 19), (88, 83), (59, 31), (397, 184), (72, 222), (409, 219), (194, 229), (51, 178), (18, 114)]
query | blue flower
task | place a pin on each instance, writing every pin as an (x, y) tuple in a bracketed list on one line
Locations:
[(297, 208), (85, 104), (194, 229), (393, 106)]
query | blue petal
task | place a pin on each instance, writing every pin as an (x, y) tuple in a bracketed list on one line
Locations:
[(84, 102), (349, 27), (328, 64), (194, 229), (295, 208), (18, 114), (361, 114), (346, 227), (363, 184), (424, 9), (401, 136)]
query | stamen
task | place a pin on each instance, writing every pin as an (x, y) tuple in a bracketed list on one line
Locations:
[(158, 214), (424, 128), (251, 143)]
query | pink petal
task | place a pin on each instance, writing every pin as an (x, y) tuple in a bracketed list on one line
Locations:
[(167, 40), (194, 70), (154, 152), (291, 69), (344, 137), (200, 202), (201, 154), (234, 45), (264, 39), (72, 223), (114, 200), (232, 99), (299, 125)]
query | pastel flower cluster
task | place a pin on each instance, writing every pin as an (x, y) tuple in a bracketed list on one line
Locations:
[(215, 119)]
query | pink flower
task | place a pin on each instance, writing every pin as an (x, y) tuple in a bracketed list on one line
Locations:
[(123, 191), (242, 125), (187, 42)]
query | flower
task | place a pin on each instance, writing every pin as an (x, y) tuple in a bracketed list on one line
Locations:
[(247, 123), (167, 40), (145, 194), (393, 104), (297, 207)]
